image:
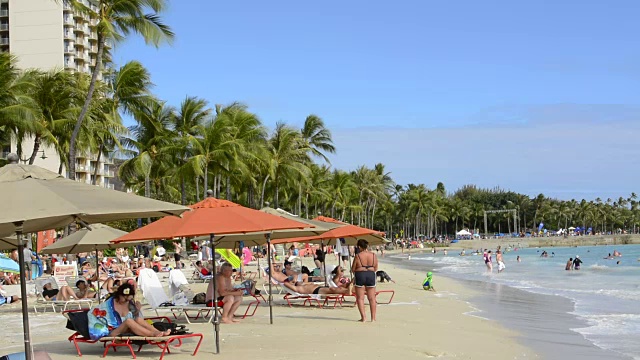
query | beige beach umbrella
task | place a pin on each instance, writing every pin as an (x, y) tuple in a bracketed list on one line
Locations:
[(35, 199), (97, 238), (8, 243), (39, 200)]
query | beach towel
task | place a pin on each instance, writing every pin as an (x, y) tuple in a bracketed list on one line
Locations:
[(151, 288), (248, 256), (230, 257), (176, 280)]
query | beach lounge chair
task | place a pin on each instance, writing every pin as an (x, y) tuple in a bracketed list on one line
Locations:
[(78, 321), (391, 293), (275, 286), (157, 298), (341, 300), (44, 304)]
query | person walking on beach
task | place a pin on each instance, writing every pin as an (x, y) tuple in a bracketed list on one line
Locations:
[(177, 255), (577, 262), (365, 266)]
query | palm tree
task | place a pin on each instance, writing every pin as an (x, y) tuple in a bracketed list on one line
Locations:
[(286, 157), (317, 137), (187, 122), (52, 104), (146, 140), (127, 90), (14, 86), (114, 20)]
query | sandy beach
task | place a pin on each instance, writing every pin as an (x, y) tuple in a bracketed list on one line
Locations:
[(417, 325)]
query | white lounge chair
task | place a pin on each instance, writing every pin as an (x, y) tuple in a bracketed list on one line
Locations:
[(43, 303)]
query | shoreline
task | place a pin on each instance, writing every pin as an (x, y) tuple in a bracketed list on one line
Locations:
[(553, 241), (547, 328)]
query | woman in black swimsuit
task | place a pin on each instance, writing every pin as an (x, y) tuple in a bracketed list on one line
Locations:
[(364, 267)]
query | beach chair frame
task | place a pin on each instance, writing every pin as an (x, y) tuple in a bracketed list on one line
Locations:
[(127, 341), (43, 303)]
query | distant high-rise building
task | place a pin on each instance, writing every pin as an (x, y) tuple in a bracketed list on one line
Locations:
[(46, 35)]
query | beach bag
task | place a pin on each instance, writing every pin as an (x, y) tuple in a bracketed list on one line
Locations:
[(246, 287), (180, 298), (175, 328), (200, 298)]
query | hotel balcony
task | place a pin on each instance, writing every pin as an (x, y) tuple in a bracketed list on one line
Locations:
[(108, 173), (81, 169), (4, 27), (109, 186), (68, 20), (4, 13), (4, 41)]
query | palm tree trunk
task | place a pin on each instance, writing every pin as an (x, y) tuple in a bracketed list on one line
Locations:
[(264, 185), (36, 146), (197, 188), (277, 197), (85, 108), (95, 171), (299, 199), (206, 180), (219, 185), (228, 183), (183, 191)]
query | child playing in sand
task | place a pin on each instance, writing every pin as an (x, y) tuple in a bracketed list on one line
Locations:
[(427, 283)]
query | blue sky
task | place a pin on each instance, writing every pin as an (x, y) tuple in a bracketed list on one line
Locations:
[(531, 96)]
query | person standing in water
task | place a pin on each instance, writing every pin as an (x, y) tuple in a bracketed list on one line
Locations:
[(499, 261), (576, 263), (488, 261), (569, 264)]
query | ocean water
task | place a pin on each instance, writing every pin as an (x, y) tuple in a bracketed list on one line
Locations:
[(605, 294)]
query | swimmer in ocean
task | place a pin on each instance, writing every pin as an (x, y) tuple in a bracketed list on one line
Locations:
[(576, 263)]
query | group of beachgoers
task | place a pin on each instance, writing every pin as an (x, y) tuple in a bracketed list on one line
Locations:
[(304, 281), (488, 260), (119, 313)]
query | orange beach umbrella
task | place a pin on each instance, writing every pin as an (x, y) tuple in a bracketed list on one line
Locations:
[(216, 217), (212, 216), (350, 233)]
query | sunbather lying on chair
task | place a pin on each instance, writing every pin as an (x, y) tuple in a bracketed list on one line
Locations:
[(119, 315), (65, 293), (298, 277), (309, 288)]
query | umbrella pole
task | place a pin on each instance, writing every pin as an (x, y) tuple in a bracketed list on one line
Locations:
[(23, 293), (216, 321), (98, 277), (270, 270), (350, 263), (259, 272)]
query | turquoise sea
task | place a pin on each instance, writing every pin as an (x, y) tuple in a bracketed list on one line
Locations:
[(605, 294)]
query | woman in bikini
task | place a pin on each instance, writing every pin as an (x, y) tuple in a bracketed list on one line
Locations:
[(364, 267)]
